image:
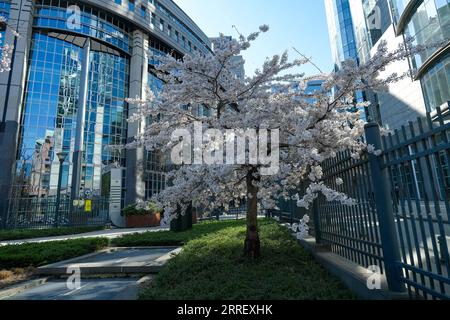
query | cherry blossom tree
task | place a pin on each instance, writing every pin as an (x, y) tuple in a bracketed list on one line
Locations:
[(304, 129), (5, 49)]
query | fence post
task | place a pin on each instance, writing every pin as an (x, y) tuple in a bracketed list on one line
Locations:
[(385, 213), (316, 218)]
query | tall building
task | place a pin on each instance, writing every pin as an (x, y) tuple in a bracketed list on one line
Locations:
[(73, 66), (361, 24), (428, 86), (428, 22), (341, 31), (343, 39)]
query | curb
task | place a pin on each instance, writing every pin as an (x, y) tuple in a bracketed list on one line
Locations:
[(351, 274), (132, 291), (16, 289)]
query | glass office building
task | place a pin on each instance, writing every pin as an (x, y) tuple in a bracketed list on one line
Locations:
[(74, 65), (428, 22), (358, 25), (343, 39)]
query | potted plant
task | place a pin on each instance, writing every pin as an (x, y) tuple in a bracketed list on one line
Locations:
[(147, 216)]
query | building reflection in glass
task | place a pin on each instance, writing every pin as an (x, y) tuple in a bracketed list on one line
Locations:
[(50, 115)]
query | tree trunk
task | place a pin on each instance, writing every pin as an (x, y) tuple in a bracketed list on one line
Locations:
[(252, 244)]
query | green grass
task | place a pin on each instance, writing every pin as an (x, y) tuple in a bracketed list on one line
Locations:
[(39, 254), (28, 234), (211, 266), (170, 238)]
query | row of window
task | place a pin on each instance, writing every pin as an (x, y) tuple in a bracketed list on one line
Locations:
[(92, 22), (165, 27), (436, 84), (429, 24), (50, 109)]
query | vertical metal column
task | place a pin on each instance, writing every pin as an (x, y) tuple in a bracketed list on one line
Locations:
[(383, 200), (316, 217), (81, 122)]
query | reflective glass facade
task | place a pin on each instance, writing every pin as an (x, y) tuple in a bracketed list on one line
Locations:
[(342, 37), (102, 45), (49, 114), (155, 178), (4, 11), (429, 23), (436, 83), (378, 18), (398, 7), (93, 22), (341, 29), (106, 116)]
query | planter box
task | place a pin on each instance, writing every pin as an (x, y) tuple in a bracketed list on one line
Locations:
[(144, 221)]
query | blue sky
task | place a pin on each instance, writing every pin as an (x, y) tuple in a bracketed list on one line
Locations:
[(293, 23)]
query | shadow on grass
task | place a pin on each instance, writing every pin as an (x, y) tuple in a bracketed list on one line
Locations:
[(213, 267)]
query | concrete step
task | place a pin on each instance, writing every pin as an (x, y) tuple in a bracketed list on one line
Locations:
[(125, 261)]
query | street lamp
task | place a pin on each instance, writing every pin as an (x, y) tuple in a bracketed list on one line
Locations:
[(61, 157)]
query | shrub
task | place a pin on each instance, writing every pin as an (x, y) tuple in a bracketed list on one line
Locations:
[(39, 254), (41, 233), (5, 274), (132, 210), (213, 267)]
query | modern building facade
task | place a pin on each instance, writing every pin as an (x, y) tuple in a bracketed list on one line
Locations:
[(73, 66), (359, 26), (356, 28), (427, 22), (343, 39)]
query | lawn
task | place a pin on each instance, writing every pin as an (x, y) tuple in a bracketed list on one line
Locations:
[(42, 233), (170, 238), (211, 266), (39, 254)]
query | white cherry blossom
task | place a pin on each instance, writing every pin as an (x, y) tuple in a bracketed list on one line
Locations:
[(313, 128)]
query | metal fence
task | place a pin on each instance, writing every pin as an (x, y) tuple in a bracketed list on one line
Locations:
[(42, 213), (401, 220)]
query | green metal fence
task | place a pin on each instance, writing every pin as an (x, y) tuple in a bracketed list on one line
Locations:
[(42, 213), (401, 220)]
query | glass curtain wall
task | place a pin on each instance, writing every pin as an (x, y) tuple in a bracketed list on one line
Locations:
[(106, 117), (429, 23), (49, 115), (155, 169), (5, 5)]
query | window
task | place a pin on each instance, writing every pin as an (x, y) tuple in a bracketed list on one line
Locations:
[(131, 5), (152, 19)]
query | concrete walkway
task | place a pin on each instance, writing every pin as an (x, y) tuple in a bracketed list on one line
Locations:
[(90, 289), (110, 274), (111, 234)]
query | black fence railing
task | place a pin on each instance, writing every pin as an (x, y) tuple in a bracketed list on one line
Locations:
[(400, 222), (42, 213)]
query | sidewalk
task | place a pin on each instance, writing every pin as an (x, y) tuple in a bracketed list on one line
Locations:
[(111, 234)]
